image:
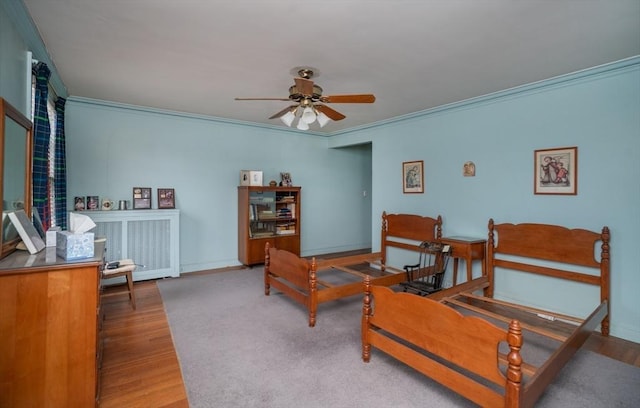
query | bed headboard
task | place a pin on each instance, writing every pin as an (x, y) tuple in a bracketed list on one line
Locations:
[(399, 227), (551, 243)]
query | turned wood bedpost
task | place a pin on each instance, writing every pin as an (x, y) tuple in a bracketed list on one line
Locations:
[(267, 286), (488, 291), (605, 280), (366, 313), (313, 292), (514, 370), (383, 240), (438, 235)]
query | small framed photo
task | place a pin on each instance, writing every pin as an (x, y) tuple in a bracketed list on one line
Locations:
[(93, 203), (141, 198), (285, 179), (469, 169), (413, 177), (166, 198), (78, 204), (556, 171)]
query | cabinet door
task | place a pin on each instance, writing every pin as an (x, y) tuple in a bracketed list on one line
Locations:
[(262, 214), (255, 253)]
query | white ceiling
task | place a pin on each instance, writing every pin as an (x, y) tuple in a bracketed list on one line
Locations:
[(196, 56)]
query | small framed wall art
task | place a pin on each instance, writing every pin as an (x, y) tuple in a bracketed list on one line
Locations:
[(141, 198), (469, 169), (556, 171), (93, 203), (413, 177), (166, 198), (78, 204), (285, 179)]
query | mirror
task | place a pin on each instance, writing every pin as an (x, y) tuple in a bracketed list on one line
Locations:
[(16, 139)]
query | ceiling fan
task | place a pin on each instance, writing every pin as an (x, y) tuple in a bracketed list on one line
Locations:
[(310, 103)]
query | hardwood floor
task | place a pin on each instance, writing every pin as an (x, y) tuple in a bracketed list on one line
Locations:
[(139, 364), (140, 367)]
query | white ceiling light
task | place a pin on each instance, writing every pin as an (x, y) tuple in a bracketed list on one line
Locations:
[(288, 117), (308, 116), (302, 125), (322, 119)]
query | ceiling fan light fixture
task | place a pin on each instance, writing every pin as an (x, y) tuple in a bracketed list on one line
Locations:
[(288, 118), (322, 119), (302, 125), (308, 116)]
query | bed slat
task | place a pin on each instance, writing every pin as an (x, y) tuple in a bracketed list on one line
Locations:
[(548, 371), (546, 271), (501, 318)]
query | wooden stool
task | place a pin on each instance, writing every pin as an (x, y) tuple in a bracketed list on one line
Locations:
[(126, 268)]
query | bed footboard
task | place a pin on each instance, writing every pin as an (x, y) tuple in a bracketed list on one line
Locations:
[(294, 276), (413, 329)]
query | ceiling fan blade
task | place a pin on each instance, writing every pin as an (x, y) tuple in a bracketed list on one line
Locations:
[(262, 99), (362, 98), (282, 112), (331, 113), (304, 86)]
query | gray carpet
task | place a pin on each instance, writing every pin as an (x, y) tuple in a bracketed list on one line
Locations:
[(239, 348)]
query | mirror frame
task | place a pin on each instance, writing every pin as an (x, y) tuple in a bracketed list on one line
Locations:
[(8, 111)]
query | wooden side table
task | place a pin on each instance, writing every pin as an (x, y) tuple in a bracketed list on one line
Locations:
[(469, 249)]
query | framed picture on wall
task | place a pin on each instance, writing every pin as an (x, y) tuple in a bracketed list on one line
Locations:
[(166, 198), (556, 171), (413, 177), (141, 198)]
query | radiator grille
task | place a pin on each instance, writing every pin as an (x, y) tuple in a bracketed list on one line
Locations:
[(113, 232), (150, 241)]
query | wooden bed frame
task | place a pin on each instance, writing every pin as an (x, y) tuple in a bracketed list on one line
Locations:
[(299, 278), (431, 334)]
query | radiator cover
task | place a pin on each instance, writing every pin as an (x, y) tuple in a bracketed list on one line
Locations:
[(149, 237)]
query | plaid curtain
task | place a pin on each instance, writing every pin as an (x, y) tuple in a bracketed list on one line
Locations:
[(41, 136), (60, 176)]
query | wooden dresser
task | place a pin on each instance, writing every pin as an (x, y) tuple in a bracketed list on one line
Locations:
[(49, 341)]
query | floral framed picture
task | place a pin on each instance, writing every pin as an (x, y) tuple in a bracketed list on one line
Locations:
[(556, 171), (413, 177), (141, 198), (166, 198)]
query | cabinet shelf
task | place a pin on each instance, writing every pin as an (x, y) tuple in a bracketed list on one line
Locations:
[(267, 214)]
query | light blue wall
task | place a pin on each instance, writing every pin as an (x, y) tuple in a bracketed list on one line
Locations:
[(13, 65), (111, 149), (597, 110)]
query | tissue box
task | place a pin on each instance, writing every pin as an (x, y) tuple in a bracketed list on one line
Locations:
[(250, 178), (71, 246)]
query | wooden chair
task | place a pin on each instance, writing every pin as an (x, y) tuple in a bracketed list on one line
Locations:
[(425, 277), (125, 268)]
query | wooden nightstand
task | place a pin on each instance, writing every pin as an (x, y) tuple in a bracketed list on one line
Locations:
[(469, 249)]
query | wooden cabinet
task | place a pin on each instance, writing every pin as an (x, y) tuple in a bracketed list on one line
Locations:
[(49, 342), (267, 214)]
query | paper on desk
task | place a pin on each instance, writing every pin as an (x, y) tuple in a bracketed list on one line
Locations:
[(80, 223)]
